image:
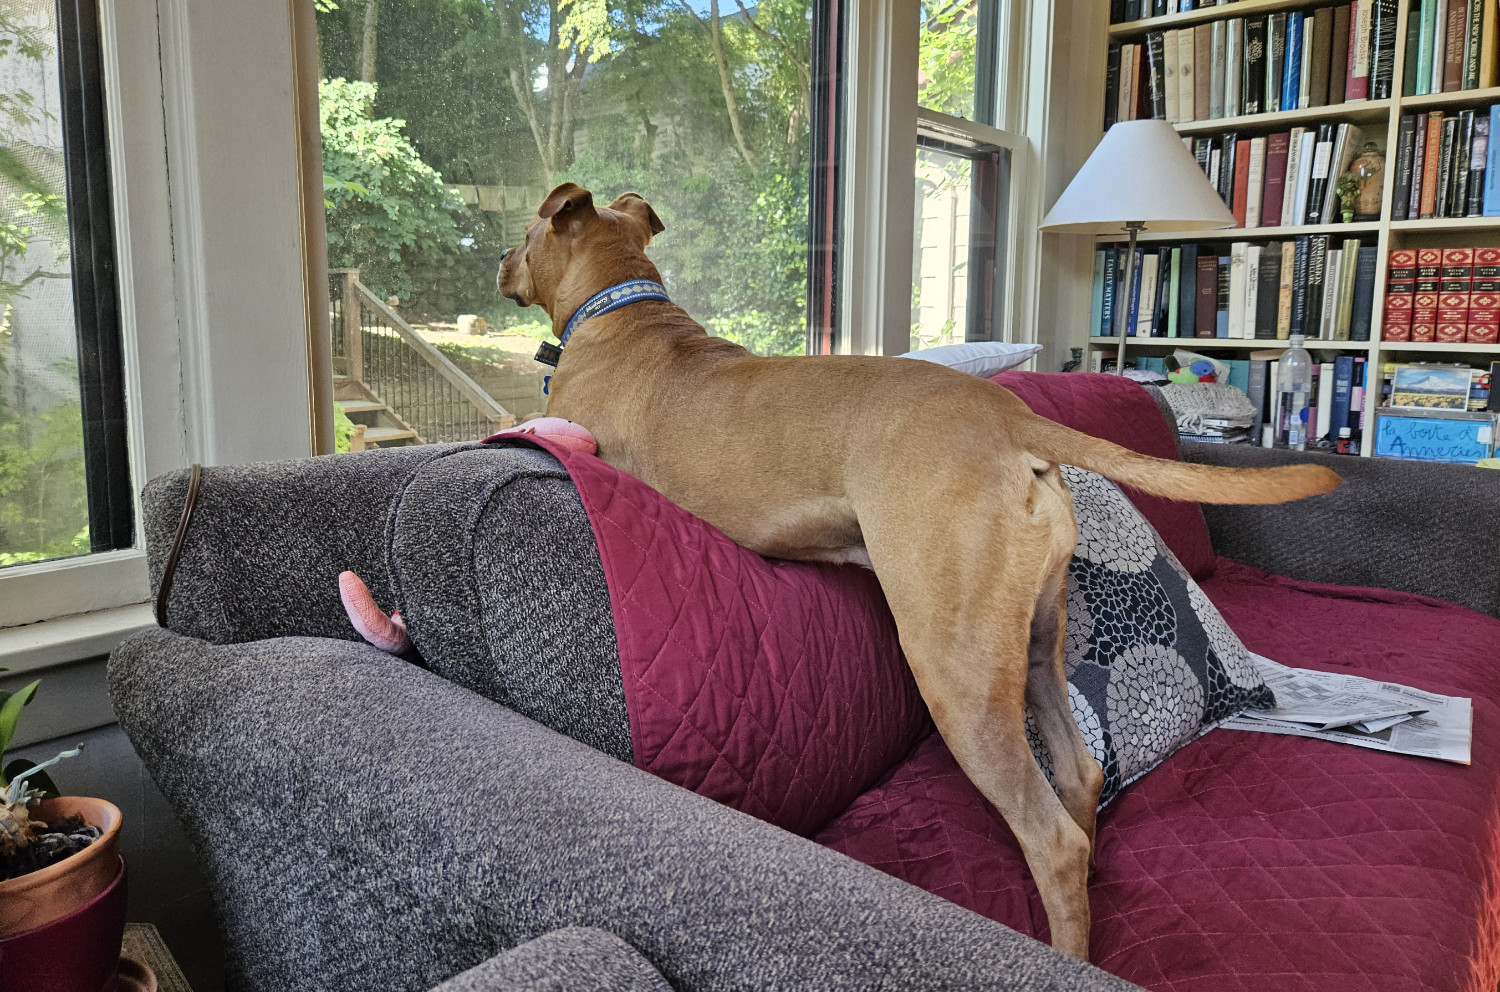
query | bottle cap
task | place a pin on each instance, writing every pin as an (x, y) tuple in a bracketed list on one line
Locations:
[(1345, 432), (1298, 339)]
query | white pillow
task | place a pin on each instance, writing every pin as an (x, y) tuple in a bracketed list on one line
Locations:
[(981, 358)]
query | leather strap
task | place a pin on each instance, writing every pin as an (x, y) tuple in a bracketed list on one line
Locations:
[(164, 591)]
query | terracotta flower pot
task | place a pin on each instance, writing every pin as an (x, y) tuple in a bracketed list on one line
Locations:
[(33, 900)]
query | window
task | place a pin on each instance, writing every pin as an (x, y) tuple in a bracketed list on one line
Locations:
[(445, 125), (65, 487), (963, 177)]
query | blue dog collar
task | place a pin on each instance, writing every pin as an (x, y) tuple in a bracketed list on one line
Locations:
[(609, 300), (605, 301)]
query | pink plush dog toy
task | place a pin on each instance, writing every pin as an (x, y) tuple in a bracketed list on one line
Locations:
[(388, 633), (555, 429)]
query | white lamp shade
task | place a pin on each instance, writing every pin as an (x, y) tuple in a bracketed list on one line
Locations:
[(1140, 172)]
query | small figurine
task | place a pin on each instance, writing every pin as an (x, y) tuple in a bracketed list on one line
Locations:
[(1347, 189)]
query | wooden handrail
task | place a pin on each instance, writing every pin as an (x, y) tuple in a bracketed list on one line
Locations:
[(486, 404)]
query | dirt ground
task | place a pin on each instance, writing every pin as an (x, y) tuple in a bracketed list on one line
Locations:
[(500, 364)]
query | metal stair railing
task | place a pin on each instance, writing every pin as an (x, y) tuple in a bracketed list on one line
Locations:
[(424, 390)]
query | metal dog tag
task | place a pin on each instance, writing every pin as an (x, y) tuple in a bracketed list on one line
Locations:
[(548, 354)]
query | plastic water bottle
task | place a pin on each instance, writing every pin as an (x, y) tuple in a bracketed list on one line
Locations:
[(1294, 384)]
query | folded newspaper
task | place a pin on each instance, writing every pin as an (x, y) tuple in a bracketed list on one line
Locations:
[(1363, 712)]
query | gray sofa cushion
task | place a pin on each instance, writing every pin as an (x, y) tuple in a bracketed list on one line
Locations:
[(575, 959), (486, 551), (499, 579)]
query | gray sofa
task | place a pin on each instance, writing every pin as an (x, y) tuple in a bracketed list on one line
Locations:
[(368, 822)]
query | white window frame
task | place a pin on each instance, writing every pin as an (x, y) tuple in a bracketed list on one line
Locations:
[(208, 245), (882, 120)]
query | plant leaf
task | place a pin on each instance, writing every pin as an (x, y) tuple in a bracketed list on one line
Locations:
[(10, 714)]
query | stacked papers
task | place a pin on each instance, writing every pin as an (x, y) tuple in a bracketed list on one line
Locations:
[(1352, 710)]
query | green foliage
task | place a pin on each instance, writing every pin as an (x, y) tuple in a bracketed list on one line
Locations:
[(649, 115), (10, 713), (390, 208), (946, 60), (343, 429), (43, 498), (43, 492)]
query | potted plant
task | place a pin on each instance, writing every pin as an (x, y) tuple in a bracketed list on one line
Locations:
[(61, 877)]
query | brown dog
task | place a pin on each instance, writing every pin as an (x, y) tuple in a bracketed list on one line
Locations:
[(944, 483)]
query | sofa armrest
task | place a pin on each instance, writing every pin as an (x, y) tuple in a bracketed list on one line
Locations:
[(576, 959), (367, 824), (1417, 527)]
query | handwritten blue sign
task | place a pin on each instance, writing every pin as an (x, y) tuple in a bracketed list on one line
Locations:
[(1433, 440)]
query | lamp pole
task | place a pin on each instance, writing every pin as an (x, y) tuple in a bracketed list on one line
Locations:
[(1123, 307)]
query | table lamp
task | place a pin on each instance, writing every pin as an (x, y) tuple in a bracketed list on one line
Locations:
[(1141, 176)]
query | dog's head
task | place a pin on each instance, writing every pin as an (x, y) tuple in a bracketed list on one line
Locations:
[(574, 249)]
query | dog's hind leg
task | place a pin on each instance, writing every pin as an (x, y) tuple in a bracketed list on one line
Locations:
[(985, 728), (1075, 772)]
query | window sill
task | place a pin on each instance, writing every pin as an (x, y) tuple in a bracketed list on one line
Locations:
[(72, 587), (68, 639)]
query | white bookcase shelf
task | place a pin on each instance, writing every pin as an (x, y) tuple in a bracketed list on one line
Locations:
[(1234, 344), (1358, 111)]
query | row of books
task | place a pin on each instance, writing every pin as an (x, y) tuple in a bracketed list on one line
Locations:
[(1123, 11), (1450, 45), (1338, 394), (1283, 179), (1443, 165), (1255, 65), (1442, 294), (1311, 285)]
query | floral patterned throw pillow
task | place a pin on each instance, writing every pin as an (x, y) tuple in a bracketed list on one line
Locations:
[(1151, 663)]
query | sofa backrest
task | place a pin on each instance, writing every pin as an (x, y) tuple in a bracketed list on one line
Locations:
[(587, 602), (775, 687), (268, 541)]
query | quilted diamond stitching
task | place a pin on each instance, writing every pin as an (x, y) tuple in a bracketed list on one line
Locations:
[(1250, 862), (775, 687)]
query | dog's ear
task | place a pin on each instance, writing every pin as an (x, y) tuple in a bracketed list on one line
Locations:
[(566, 205), (636, 206)]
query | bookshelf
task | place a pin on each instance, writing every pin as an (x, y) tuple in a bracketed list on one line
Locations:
[(1388, 234)]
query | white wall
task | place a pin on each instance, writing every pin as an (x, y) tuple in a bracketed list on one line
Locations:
[(231, 139), (1075, 82)]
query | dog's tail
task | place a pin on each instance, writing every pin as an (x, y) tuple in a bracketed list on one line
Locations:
[(1172, 479)]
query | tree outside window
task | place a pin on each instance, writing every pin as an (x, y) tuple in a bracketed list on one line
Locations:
[(43, 497)]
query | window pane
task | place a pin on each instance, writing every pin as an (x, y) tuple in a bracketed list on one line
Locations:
[(946, 74), (445, 124), (958, 244), (43, 486)]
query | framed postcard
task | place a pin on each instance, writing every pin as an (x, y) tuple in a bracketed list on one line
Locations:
[(1431, 387)]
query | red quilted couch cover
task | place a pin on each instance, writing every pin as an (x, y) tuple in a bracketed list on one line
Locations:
[(1245, 861)]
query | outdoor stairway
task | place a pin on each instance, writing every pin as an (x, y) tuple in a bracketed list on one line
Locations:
[(393, 382), (382, 428)]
